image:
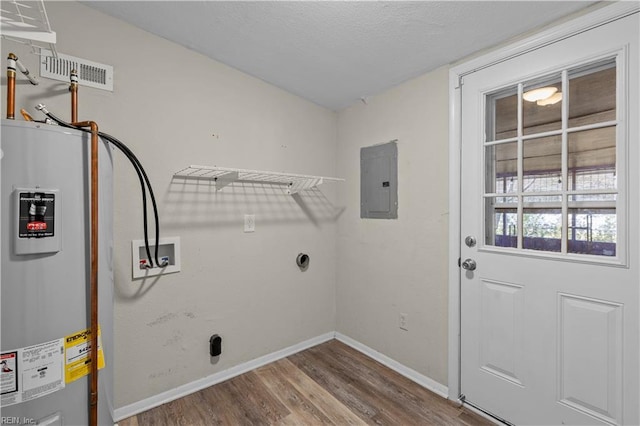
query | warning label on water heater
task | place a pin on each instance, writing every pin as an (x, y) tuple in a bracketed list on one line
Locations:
[(9, 373), (32, 372), (36, 214), (38, 370)]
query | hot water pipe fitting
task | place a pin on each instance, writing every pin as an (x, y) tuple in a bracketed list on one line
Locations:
[(73, 88), (12, 63)]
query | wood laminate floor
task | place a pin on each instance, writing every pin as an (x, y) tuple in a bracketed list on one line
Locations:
[(331, 383)]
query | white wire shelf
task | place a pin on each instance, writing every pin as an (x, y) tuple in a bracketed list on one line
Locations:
[(26, 22), (223, 176)]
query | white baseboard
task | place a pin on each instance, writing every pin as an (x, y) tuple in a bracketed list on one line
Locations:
[(407, 372), (219, 377)]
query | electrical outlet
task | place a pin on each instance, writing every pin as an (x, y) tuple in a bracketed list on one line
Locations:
[(404, 322), (249, 223)]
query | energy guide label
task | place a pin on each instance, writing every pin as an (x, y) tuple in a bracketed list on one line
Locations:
[(78, 354)]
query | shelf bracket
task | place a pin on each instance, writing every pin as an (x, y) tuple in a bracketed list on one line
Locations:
[(225, 179), (302, 185)]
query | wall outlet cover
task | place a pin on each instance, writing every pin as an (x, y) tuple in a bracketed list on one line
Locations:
[(249, 223)]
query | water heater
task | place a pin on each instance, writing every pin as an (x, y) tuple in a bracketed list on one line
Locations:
[(46, 273)]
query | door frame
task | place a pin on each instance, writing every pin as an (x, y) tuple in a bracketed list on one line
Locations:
[(599, 16)]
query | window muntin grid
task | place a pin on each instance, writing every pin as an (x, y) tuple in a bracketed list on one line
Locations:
[(557, 163)]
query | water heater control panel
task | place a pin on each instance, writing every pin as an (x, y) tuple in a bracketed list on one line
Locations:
[(38, 223)]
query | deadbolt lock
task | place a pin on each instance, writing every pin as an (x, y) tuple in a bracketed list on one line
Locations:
[(470, 241)]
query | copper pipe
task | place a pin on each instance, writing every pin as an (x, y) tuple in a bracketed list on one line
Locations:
[(26, 115), (12, 63), (11, 86), (73, 88), (93, 393)]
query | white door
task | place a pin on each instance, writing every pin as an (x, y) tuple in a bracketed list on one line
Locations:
[(550, 193)]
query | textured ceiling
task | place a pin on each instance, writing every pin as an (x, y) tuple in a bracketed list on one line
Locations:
[(333, 52)]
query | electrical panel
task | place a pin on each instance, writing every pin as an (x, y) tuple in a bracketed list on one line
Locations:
[(379, 181)]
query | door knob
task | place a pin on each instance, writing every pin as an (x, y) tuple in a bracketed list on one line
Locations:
[(469, 265)]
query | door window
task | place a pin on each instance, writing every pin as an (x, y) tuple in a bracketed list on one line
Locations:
[(551, 171)]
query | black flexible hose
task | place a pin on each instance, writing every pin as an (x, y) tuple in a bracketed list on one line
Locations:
[(142, 177), (132, 158)]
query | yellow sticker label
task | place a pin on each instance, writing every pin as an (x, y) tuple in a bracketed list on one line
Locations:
[(77, 354)]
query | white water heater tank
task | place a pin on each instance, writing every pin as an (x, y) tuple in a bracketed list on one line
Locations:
[(45, 254)]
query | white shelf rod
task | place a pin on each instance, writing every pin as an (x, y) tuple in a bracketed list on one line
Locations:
[(223, 176)]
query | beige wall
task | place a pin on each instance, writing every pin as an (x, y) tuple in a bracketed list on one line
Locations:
[(167, 105), (388, 267), (174, 108)]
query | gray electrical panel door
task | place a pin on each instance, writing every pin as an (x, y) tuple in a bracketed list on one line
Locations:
[(379, 181)]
